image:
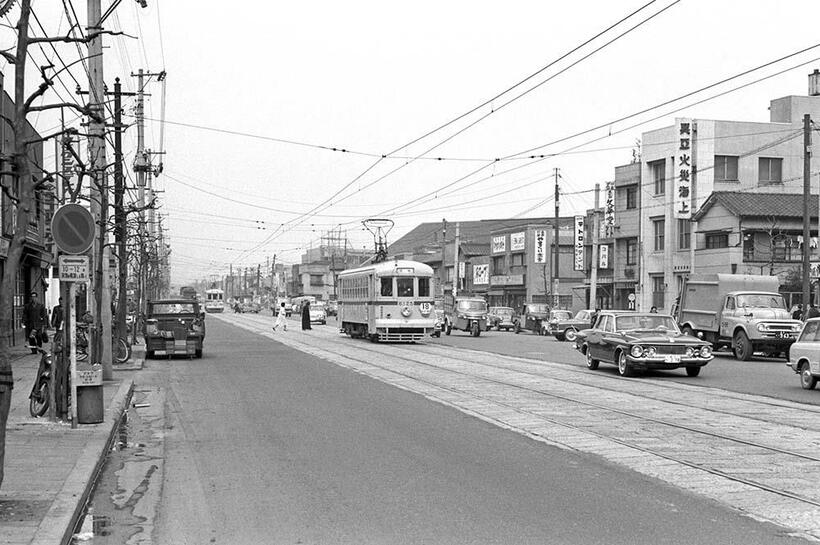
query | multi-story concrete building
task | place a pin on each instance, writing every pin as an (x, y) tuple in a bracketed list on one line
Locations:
[(522, 266), (682, 165), (317, 273), (32, 272)]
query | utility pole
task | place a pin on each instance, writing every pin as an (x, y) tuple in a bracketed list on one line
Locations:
[(806, 196), (556, 271), (596, 229), (455, 260), (101, 350), (120, 230)]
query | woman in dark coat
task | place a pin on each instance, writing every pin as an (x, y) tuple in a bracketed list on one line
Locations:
[(306, 315)]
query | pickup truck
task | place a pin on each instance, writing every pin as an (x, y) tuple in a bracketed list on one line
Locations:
[(741, 311)]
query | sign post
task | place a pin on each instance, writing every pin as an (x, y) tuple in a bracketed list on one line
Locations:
[(73, 229)]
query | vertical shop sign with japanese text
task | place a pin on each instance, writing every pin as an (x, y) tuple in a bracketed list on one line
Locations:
[(579, 243), (603, 257), (683, 167), (540, 246), (609, 210), (499, 244), (481, 274), (517, 241)]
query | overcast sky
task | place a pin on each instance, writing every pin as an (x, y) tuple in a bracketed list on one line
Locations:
[(256, 96)]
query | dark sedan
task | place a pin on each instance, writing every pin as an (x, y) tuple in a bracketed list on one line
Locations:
[(636, 341), (567, 329)]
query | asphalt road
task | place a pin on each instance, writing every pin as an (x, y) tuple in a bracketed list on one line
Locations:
[(264, 444), (759, 376)]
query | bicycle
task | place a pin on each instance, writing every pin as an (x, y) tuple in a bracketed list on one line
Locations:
[(120, 347), (40, 395)]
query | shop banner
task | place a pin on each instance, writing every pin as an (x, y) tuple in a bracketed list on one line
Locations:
[(499, 244), (579, 243), (481, 274), (517, 242), (609, 210), (683, 168), (540, 252), (603, 256)]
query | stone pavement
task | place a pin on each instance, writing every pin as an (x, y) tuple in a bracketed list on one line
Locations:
[(50, 468)]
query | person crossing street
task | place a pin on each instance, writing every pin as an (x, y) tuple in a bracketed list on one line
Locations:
[(281, 320)]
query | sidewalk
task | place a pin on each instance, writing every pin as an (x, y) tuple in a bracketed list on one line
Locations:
[(50, 468)]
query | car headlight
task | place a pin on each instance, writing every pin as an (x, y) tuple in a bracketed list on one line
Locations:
[(690, 351), (796, 328), (762, 327), (650, 352), (636, 351), (705, 351)]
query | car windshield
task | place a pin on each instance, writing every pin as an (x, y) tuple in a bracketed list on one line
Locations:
[(539, 308), (561, 314), (761, 300), (472, 305), (645, 321), (172, 308), (582, 315), (504, 311)]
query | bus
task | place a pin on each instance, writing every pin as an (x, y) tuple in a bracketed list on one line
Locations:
[(214, 300), (389, 301), (187, 292)]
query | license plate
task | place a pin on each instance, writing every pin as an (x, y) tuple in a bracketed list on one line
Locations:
[(782, 335), (671, 358)]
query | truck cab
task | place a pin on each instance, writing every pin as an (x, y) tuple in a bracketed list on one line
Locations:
[(465, 314), (744, 312)]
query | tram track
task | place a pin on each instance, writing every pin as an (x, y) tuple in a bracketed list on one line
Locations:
[(768, 456)]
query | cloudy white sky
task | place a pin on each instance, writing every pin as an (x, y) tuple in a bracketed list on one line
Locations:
[(250, 83)]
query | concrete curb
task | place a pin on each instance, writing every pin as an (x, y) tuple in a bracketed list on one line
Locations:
[(58, 524)]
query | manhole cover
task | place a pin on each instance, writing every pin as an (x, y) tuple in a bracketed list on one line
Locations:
[(23, 510)]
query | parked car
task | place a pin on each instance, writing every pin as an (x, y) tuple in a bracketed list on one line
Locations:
[(250, 307), (567, 329), (532, 318), (332, 308), (174, 327), (500, 318), (318, 314), (804, 354), (635, 341), (555, 316)]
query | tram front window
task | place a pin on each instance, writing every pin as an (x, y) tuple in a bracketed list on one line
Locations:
[(424, 287), (387, 287), (404, 287)]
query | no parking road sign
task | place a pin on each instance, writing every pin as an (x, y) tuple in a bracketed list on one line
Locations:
[(73, 229)]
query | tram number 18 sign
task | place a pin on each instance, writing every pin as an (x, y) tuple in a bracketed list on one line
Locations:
[(74, 268)]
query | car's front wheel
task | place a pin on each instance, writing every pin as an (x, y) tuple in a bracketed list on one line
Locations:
[(743, 347), (570, 334), (592, 363), (624, 367), (807, 380)]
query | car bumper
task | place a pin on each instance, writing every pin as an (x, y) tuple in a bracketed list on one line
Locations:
[(665, 362), (172, 347)]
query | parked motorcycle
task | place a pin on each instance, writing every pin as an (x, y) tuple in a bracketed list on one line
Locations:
[(40, 393)]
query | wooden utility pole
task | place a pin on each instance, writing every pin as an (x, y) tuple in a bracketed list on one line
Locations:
[(555, 271), (455, 260), (806, 196), (101, 349), (596, 230)]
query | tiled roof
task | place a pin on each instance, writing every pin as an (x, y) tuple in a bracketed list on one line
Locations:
[(741, 203), (469, 231)]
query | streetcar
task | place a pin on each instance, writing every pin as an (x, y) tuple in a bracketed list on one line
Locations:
[(214, 300), (388, 301)]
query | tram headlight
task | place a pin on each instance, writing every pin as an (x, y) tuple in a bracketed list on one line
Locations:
[(406, 312)]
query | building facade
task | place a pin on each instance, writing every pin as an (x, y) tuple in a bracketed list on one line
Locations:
[(712, 155)]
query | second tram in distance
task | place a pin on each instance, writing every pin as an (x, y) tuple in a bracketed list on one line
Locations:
[(388, 301)]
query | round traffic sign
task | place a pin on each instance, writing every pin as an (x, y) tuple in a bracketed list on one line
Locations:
[(73, 228)]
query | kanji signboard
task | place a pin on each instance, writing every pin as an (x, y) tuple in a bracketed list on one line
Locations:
[(683, 165)]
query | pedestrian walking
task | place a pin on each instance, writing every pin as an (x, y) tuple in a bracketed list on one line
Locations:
[(798, 313), (280, 319), (57, 321), (35, 319), (812, 312), (306, 315)]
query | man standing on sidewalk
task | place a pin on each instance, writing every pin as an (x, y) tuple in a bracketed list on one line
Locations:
[(57, 321), (35, 319)]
